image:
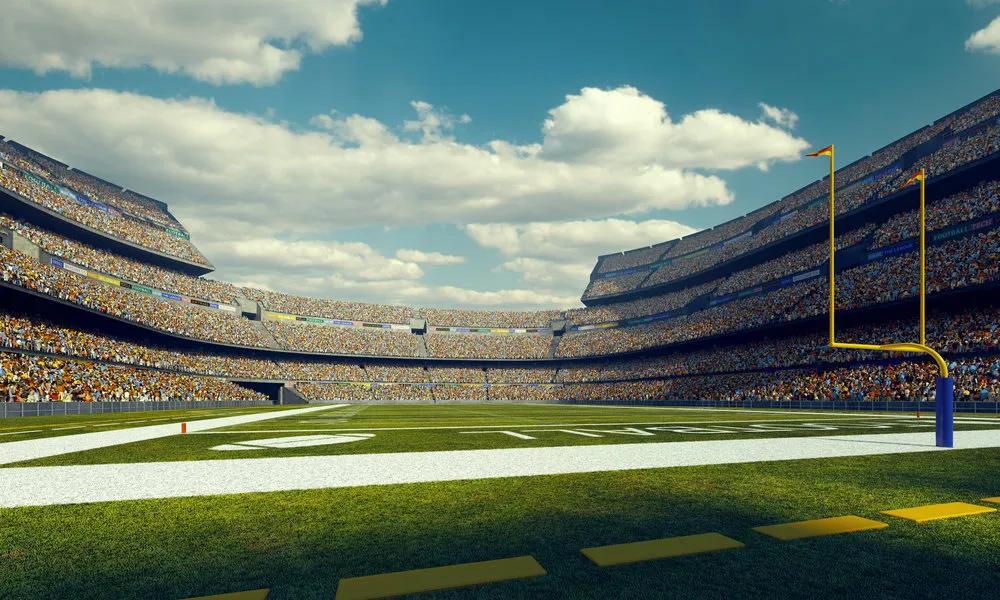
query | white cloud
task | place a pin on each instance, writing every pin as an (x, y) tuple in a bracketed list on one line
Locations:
[(215, 164), (535, 270), (986, 39), (428, 258), (258, 195), (581, 240), (222, 41), (782, 117), (626, 127), (562, 255)]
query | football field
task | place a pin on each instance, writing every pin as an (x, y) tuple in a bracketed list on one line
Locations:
[(295, 500)]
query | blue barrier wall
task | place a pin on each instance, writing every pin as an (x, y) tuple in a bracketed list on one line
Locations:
[(47, 409), (891, 406)]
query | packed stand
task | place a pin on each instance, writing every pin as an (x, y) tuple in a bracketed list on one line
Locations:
[(48, 196), (25, 378), (402, 393), (987, 109), (334, 392), (22, 332), (456, 375), (330, 309), (984, 199), (632, 258), (613, 285), (332, 339), (505, 319), (746, 313), (122, 267), (976, 379), (396, 373), (459, 393), (172, 317), (487, 345), (518, 375), (640, 308)]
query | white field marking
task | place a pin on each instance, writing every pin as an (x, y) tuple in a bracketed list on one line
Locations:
[(302, 441), (43, 486), (51, 446), (107, 424), (20, 432), (740, 410), (65, 428), (525, 425)]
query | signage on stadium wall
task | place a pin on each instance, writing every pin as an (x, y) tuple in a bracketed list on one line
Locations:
[(489, 330), (656, 317), (891, 250), (965, 228), (138, 288), (631, 271), (745, 234), (341, 322), (807, 275)]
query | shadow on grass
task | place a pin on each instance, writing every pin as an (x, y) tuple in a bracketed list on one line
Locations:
[(300, 544)]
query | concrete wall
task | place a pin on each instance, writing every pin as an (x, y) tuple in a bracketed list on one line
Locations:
[(23, 244)]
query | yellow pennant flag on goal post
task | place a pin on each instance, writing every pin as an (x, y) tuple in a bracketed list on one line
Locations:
[(828, 151), (918, 177)]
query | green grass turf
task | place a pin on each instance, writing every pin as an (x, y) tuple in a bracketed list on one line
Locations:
[(50, 426), (300, 544), (405, 434)]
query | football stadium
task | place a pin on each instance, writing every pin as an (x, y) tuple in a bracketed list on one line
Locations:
[(802, 402)]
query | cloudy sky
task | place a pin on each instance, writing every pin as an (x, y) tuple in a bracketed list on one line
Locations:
[(450, 153)]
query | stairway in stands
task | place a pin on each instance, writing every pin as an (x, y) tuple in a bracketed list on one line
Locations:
[(553, 345), (422, 347), (271, 342)]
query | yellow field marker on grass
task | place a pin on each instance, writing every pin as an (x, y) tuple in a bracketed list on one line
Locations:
[(623, 554), (251, 595), (438, 578), (995, 500), (819, 527), (932, 512)]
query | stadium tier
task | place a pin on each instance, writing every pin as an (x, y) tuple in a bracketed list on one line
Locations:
[(712, 315), (962, 138)]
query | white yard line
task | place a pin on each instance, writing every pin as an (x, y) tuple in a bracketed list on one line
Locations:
[(42, 486), (20, 432), (65, 428), (526, 425), (40, 448)]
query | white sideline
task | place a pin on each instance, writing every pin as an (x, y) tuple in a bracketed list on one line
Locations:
[(42, 486), (51, 446)]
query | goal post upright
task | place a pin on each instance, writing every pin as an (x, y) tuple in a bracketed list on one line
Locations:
[(945, 385)]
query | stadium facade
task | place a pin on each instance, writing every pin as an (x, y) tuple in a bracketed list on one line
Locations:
[(97, 279)]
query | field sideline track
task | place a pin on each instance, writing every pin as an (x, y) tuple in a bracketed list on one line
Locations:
[(11, 452), (43, 486)]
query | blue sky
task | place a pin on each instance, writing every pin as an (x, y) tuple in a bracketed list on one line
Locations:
[(860, 74)]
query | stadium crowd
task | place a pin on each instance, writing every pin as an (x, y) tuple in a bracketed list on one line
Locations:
[(122, 267), (505, 319), (488, 345), (610, 286), (343, 340), (982, 200), (129, 202), (25, 378), (49, 196), (173, 317), (853, 193), (330, 309), (640, 308), (632, 258)]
